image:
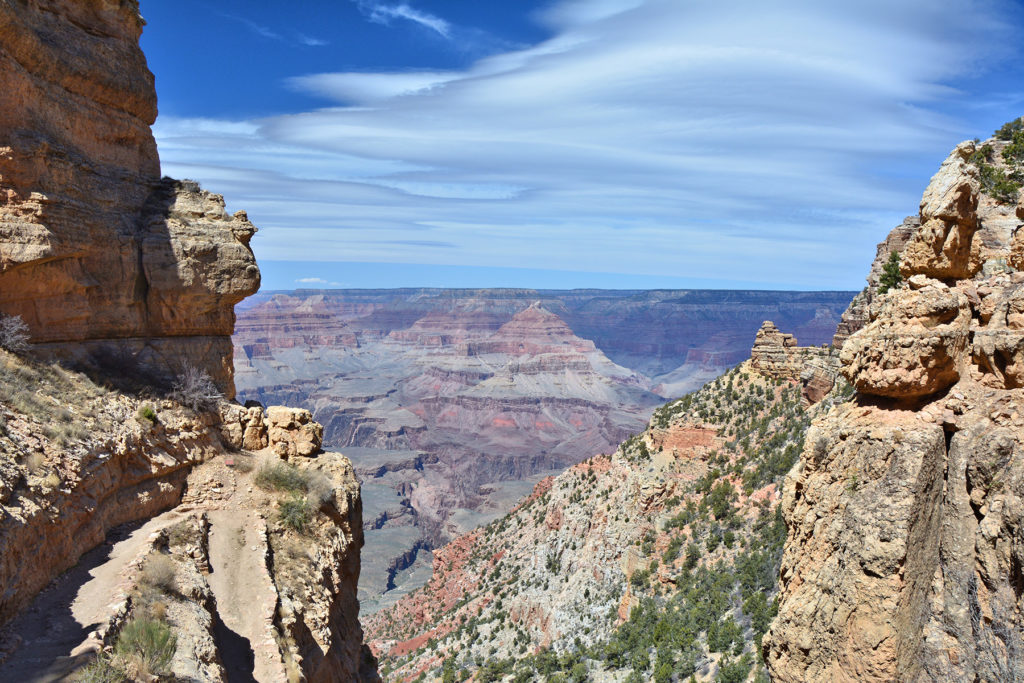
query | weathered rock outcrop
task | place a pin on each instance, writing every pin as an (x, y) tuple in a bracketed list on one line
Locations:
[(117, 269), (903, 558), (915, 345), (942, 246), (777, 355), (97, 252)]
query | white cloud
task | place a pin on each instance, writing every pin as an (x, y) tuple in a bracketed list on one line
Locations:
[(367, 88), (383, 14), (311, 41), (311, 281), (776, 140)]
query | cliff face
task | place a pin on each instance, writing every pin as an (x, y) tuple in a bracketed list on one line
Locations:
[(903, 558), (96, 251), (161, 514)]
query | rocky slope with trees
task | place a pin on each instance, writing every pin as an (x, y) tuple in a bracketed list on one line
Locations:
[(655, 562)]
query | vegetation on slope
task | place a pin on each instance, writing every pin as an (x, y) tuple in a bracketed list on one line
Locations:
[(657, 563), (1002, 174)]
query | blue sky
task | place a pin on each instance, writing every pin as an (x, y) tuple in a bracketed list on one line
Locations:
[(576, 143)]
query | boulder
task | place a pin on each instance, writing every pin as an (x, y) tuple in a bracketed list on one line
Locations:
[(942, 247), (915, 345), (292, 431)]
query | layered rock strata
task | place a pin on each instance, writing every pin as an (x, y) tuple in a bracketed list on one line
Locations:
[(903, 559), (98, 254), (776, 354)]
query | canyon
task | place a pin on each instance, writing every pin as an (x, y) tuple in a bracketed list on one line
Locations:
[(832, 491), (641, 548), (453, 403), (845, 513)]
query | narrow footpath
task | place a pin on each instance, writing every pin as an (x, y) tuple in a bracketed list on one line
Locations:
[(49, 637)]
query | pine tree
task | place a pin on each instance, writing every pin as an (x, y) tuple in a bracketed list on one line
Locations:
[(891, 275)]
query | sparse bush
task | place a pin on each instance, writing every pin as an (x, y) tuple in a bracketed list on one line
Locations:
[(194, 388), (160, 572), (14, 334), (146, 647), (295, 512), (319, 488), (100, 670), (146, 415), (280, 476)]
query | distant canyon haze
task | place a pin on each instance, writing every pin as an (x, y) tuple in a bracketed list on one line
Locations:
[(452, 404)]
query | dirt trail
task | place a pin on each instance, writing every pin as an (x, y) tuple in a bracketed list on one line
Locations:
[(246, 597), (48, 636)]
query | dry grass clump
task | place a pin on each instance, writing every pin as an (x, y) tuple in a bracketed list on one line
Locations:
[(160, 573), (307, 489), (52, 396)]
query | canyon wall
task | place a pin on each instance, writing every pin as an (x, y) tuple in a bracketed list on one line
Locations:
[(132, 279), (904, 557), (98, 254)]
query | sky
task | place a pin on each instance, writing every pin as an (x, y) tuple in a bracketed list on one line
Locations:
[(623, 144)]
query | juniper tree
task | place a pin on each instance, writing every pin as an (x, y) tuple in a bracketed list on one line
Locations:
[(891, 275)]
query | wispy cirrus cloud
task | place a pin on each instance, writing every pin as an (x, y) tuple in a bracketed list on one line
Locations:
[(384, 13), (319, 281), (644, 136), (310, 41), (270, 34)]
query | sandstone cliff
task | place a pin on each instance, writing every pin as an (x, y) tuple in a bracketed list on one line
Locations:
[(97, 252), (188, 555), (903, 558)]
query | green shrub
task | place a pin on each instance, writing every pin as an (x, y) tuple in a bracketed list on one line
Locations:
[(146, 646), (295, 512), (146, 414), (640, 578), (1009, 129), (891, 275)]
